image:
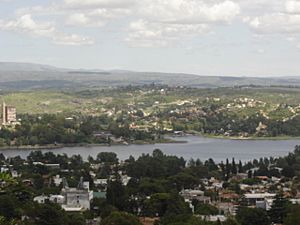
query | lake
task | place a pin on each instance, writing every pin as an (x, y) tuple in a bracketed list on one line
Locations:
[(195, 147)]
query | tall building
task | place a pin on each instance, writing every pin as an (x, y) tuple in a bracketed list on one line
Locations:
[(3, 113), (9, 114)]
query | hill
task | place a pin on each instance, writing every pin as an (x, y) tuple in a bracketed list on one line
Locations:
[(26, 76)]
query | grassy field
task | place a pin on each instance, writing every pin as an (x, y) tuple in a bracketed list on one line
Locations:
[(40, 102), (97, 101)]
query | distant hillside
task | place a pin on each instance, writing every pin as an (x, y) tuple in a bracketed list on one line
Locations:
[(25, 76), (13, 66)]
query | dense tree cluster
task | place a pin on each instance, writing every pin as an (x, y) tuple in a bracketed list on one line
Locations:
[(59, 129)]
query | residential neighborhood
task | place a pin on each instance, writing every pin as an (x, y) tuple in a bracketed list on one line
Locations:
[(209, 191)]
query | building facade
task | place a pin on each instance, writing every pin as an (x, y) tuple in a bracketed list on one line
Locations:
[(9, 114)]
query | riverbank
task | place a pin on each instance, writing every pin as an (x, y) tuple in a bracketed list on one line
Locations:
[(278, 138), (169, 140), (58, 146)]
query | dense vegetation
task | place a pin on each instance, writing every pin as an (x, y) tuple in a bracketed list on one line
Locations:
[(153, 190), (57, 129)]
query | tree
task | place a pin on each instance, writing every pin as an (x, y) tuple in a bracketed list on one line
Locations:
[(293, 217), (33, 140), (165, 204), (4, 221), (233, 167), (2, 142), (116, 194), (76, 219), (228, 168), (49, 214), (8, 207), (184, 181), (157, 153), (279, 209), (250, 174), (35, 156), (240, 167), (255, 216), (198, 162), (107, 157), (288, 171), (156, 205), (231, 221), (2, 157), (38, 181), (120, 218), (210, 164), (205, 209), (191, 162)]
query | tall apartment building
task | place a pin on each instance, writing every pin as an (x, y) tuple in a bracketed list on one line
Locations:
[(9, 114)]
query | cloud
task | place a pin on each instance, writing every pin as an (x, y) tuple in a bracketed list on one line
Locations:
[(157, 22), (281, 18), (149, 22), (143, 33), (72, 39), (26, 24), (164, 22), (99, 3), (176, 11), (189, 11), (81, 19), (281, 21), (92, 13), (293, 7), (94, 17), (260, 51), (275, 23), (260, 7)]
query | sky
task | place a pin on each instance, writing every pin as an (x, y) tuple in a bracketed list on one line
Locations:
[(205, 37)]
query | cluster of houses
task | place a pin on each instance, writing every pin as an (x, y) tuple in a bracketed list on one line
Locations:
[(77, 199), (227, 202), (260, 194), (70, 199), (143, 116)]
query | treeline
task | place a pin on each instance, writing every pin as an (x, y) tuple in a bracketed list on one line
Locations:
[(48, 129), (60, 129)]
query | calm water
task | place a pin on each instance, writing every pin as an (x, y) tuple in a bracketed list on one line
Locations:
[(196, 147)]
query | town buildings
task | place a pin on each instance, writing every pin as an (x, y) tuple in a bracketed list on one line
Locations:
[(77, 199), (71, 199)]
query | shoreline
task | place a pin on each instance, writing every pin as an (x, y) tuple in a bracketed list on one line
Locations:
[(267, 138), (168, 140), (254, 138), (87, 145)]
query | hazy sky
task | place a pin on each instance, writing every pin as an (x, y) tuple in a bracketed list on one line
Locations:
[(209, 37)]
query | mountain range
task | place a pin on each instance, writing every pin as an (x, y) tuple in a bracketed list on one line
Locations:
[(26, 76)]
